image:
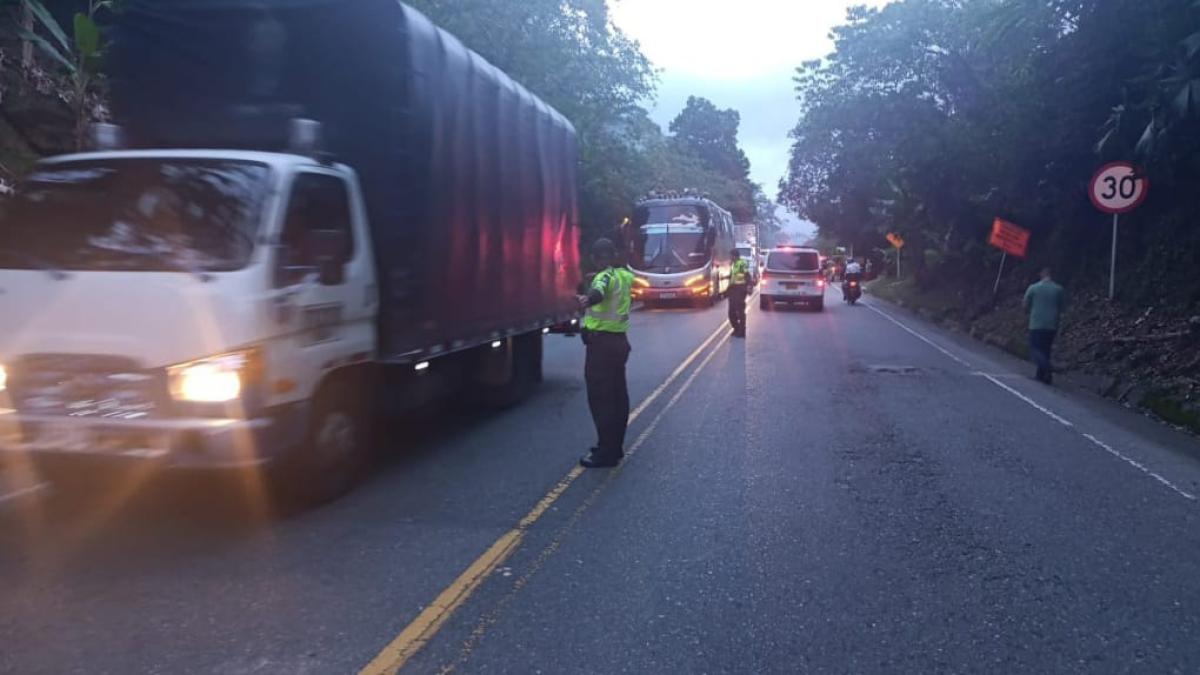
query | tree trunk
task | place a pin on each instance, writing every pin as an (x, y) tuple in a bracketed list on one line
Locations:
[(26, 45)]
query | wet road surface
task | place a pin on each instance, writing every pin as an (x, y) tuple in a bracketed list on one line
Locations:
[(845, 491)]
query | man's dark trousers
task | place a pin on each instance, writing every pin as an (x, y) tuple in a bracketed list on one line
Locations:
[(608, 395), (737, 309), (1041, 342)]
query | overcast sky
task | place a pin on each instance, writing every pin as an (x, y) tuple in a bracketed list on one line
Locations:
[(740, 54)]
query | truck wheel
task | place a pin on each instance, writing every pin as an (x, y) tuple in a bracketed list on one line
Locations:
[(333, 456), (524, 374), (764, 303)]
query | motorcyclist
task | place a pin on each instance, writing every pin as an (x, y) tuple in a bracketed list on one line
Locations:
[(853, 273)]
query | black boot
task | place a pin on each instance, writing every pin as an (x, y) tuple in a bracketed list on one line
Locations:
[(600, 460)]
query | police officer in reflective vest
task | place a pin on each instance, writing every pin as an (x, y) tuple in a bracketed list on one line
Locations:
[(604, 332), (739, 288)]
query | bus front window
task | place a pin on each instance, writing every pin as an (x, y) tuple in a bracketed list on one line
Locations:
[(670, 238), (665, 252)]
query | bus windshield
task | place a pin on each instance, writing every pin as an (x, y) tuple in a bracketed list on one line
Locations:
[(670, 238), (664, 252), (694, 215)]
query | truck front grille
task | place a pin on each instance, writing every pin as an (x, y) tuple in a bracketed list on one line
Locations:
[(103, 387)]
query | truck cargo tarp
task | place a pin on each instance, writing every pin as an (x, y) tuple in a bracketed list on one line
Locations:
[(470, 180)]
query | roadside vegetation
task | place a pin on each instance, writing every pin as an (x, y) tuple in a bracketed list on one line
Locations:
[(933, 117), (569, 53)]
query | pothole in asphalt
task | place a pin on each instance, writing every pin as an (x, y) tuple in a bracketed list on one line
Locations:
[(893, 370)]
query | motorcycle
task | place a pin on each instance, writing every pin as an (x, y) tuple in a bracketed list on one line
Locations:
[(851, 290)]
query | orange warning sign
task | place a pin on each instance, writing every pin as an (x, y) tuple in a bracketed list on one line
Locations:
[(1012, 239)]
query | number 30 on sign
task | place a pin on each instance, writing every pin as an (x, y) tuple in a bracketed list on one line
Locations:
[(1118, 188)]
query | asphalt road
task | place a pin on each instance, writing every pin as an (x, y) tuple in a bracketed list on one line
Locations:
[(846, 491)]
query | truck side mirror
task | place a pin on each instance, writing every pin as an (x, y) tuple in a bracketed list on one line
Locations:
[(331, 253)]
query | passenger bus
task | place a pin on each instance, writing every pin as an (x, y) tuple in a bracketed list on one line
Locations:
[(679, 248)]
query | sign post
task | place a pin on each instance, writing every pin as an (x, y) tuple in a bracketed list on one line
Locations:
[(1117, 188), (1112, 265), (898, 243), (1009, 238)]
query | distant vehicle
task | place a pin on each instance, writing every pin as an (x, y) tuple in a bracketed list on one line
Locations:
[(679, 248), (792, 275), (240, 296), (749, 253)]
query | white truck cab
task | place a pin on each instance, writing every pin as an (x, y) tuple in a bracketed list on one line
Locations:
[(201, 308)]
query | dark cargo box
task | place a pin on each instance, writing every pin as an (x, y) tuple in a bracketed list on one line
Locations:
[(470, 181)]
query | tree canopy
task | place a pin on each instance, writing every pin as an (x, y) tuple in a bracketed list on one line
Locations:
[(570, 53), (709, 134), (932, 117)]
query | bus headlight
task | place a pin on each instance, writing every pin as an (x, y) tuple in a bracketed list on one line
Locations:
[(218, 379), (641, 281), (694, 280)]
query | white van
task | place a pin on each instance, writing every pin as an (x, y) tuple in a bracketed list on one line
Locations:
[(792, 274)]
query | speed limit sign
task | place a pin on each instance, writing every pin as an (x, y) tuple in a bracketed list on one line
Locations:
[(1118, 188)]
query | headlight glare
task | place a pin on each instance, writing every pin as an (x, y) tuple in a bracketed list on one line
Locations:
[(3, 378), (214, 380)]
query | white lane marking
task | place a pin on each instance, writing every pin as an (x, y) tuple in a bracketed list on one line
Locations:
[(1052, 415), (23, 492), (1140, 467), (1028, 400), (920, 337)]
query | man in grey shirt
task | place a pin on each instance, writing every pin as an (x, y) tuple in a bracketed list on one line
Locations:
[(1045, 301)]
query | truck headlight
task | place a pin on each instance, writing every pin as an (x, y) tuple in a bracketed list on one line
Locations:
[(218, 379)]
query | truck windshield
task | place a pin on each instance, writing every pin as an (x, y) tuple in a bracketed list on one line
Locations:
[(143, 214)]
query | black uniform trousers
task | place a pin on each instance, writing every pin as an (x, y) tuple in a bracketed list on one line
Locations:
[(737, 308), (607, 392)]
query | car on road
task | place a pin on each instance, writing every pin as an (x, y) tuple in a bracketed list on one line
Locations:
[(792, 275)]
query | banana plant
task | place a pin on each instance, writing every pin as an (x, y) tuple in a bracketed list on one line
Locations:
[(79, 55)]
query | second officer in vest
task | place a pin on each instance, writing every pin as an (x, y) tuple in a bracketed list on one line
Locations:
[(605, 326), (739, 288)]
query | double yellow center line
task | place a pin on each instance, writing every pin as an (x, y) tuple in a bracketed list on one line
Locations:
[(426, 625)]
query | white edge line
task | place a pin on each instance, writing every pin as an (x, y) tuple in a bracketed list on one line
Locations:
[(1057, 418), (1052, 415), (23, 492), (917, 335), (1140, 467)]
